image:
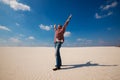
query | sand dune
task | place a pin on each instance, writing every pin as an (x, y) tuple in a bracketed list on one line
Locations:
[(36, 63)]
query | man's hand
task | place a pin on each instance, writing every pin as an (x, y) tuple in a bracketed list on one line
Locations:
[(55, 26), (69, 17)]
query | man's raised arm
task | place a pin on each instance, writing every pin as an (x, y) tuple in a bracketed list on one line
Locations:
[(67, 21)]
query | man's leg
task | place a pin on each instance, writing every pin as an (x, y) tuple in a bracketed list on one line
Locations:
[(58, 58), (57, 55)]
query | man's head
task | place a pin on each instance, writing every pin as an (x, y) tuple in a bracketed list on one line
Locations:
[(59, 26)]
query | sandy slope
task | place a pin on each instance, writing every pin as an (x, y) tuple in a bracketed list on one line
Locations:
[(36, 63)]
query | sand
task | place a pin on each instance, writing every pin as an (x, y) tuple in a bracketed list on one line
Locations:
[(82, 63)]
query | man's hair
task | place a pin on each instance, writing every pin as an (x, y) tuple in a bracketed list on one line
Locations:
[(60, 25)]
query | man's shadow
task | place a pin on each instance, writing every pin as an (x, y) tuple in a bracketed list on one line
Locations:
[(87, 64)]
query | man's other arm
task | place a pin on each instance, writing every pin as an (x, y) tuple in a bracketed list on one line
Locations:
[(55, 27)]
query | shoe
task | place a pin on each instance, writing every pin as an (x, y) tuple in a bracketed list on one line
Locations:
[(56, 68)]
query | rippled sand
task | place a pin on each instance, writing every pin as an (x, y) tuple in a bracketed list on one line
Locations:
[(36, 63)]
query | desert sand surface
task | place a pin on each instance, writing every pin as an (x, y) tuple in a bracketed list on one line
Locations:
[(79, 63)]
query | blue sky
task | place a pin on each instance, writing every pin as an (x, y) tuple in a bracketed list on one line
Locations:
[(30, 22)]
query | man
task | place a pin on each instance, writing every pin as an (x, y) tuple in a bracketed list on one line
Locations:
[(58, 40)]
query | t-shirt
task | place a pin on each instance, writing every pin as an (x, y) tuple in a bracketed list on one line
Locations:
[(59, 33)]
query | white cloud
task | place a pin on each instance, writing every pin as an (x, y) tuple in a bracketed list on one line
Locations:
[(21, 35), (109, 28), (15, 40), (89, 41), (3, 40), (112, 5), (79, 39), (85, 41), (31, 38), (16, 5), (44, 27), (17, 24), (67, 34), (97, 16), (106, 8), (4, 28), (109, 13), (102, 42)]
